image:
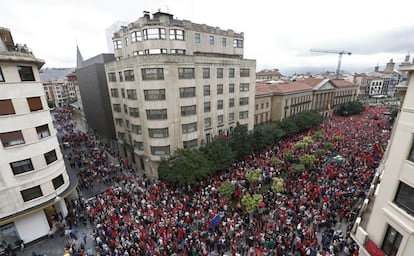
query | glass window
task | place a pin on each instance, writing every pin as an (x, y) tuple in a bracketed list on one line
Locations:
[(392, 241), (244, 114), (111, 77), (6, 107), (207, 122), (206, 73), (186, 73), (219, 89), (154, 33), (404, 198), (34, 103), (220, 119), (244, 72), (129, 75), (197, 38), (188, 110), (156, 51), (1, 76), (117, 44), (211, 39), (131, 94), (31, 193), (187, 92), (134, 112), (127, 124), (26, 73), (238, 43), (22, 166), (411, 154), (58, 181), (9, 139), (117, 107), (177, 51), (224, 41), (136, 36), (158, 132), (206, 90), (231, 72), (139, 145), (244, 101), (155, 94), (50, 157), (219, 72), (176, 34), (191, 127), (244, 87), (125, 109), (207, 107), (152, 74), (160, 150), (231, 103), (114, 92), (231, 88), (220, 104), (119, 122), (136, 129), (156, 114), (231, 117), (43, 131), (190, 143)]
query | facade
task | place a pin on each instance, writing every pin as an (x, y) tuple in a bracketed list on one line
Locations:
[(93, 89), (268, 74), (60, 92), (386, 220), (33, 177), (176, 84)]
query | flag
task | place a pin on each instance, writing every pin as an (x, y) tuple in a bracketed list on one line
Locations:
[(214, 221)]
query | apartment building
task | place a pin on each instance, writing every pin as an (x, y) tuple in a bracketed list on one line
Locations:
[(386, 220), (176, 84), (33, 178)]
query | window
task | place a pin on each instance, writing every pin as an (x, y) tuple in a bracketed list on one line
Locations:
[(157, 114), (160, 150), (117, 44), (211, 39), (136, 53), (126, 39), (31, 193), (139, 145), (117, 107), (176, 34), (58, 181), (177, 51), (119, 122), (127, 124), (129, 75), (267, 104), (411, 154), (219, 89), (224, 41), (244, 101), (154, 33), (244, 72), (50, 157), (220, 119), (197, 38), (136, 36), (237, 43), (121, 76), (22, 166), (261, 105), (206, 90), (244, 87), (220, 73), (231, 88), (156, 51), (6, 107), (125, 109), (188, 110), (206, 73), (187, 92), (156, 94), (186, 73), (404, 198), (1, 76), (43, 131), (207, 122), (220, 104), (207, 107), (26, 73), (231, 117), (190, 143), (392, 241), (121, 135), (158, 132), (111, 77), (152, 74), (9, 139), (244, 114), (231, 103), (34, 103), (131, 94), (231, 72), (191, 127), (136, 129), (134, 112), (115, 93)]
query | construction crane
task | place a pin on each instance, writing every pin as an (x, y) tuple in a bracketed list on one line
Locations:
[(342, 52)]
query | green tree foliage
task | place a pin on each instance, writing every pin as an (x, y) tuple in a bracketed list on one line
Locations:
[(319, 135), (299, 168), (186, 166), (289, 126), (276, 161), (253, 175), (308, 140), (319, 152), (277, 184), (251, 202), (241, 140), (288, 156), (328, 145), (351, 108), (300, 145), (51, 103), (307, 160), (336, 138), (226, 189), (219, 153)]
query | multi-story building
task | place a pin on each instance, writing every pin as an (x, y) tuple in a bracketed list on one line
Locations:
[(176, 84), (268, 74), (33, 177), (386, 220), (60, 92)]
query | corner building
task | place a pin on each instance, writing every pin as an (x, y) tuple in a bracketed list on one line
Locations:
[(33, 177), (177, 84)]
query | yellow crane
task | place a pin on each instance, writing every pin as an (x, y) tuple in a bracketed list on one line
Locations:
[(339, 52)]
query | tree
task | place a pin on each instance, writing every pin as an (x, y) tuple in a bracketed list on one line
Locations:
[(328, 145), (276, 161), (351, 108), (251, 202), (319, 152), (299, 168), (241, 140), (308, 140), (51, 103), (300, 145), (226, 189), (186, 166), (307, 160), (253, 175), (319, 134), (336, 138), (277, 184), (288, 156), (219, 153)]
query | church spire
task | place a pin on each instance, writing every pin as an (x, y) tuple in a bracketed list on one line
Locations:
[(79, 59)]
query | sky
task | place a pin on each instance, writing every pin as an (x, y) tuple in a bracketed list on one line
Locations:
[(277, 34)]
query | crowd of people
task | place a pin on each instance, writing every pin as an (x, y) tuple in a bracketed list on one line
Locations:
[(312, 215)]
